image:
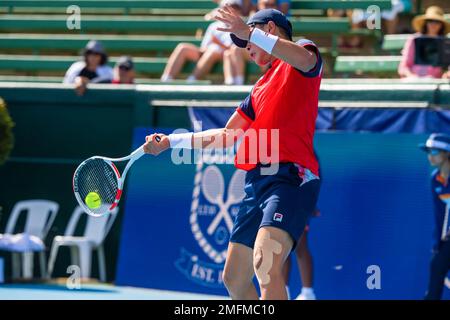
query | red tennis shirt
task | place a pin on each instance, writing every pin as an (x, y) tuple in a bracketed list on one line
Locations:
[(286, 99)]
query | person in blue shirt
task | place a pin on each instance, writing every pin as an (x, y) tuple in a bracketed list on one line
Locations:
[(304, 256), (438, 148)]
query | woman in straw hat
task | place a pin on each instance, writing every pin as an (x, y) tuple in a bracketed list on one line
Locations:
[(430, 24)]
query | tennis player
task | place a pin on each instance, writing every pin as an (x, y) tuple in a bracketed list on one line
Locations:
[(438, 148), (278, 202)]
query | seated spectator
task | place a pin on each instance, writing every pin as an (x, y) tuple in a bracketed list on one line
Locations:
[(246, 8), (93, 68), (389, 18), (281, 5), (431, 24), (235, 59), (124, 71), (211, 50)]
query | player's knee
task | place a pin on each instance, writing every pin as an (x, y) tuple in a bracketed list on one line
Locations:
[(231, 279), (261, 272), (266, 261), (227, 278), (267, 272)]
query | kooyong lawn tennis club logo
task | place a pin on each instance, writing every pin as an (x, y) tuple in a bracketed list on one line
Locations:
[(214, 205)]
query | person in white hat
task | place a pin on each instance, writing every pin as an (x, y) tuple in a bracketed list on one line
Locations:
[(430, 24), (437, 147)]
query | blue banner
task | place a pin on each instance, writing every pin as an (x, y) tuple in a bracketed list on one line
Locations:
[(375, 202), (381, 120)]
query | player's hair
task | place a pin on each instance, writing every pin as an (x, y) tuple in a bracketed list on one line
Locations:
[(283, 32), (425, 29)]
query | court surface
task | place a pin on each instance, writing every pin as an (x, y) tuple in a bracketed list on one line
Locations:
[(92, 292)]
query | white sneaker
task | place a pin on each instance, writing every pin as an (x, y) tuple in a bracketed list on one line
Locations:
[(306, 296), (165, 78), (191, 79)]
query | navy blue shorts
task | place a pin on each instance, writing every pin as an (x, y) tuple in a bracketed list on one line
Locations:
[(281, 200)]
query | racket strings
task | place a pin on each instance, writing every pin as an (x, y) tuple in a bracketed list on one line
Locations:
[(98, 176), (236, 187), (213, 184)]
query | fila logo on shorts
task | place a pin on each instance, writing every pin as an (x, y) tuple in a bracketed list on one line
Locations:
[(277, 217)]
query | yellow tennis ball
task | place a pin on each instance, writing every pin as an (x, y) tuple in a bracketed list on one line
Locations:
[(93, 200)]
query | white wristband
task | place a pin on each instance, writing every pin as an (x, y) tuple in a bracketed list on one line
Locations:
[(264, 40), (181, 140)]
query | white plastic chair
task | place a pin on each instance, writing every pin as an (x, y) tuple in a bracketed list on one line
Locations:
[(40, 217), (81, 248)]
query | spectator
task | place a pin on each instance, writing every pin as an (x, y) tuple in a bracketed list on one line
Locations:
[(343, 41), (281, 5), (211, 50), (389, 18), (304, 258), (124, 71), (93, 68), (431, 24), (438, 148), (246, 8), (235, 59)]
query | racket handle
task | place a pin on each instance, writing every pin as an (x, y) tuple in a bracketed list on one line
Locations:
[(136, 154), (139, 152)]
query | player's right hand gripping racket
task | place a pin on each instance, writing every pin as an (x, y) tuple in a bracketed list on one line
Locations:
[(98, 184)]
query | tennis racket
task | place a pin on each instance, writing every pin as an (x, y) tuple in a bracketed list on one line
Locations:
[(99, 177)]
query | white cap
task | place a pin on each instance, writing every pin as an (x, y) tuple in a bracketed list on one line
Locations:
[(224, 3)]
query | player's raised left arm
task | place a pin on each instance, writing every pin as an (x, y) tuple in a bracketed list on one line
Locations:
[(294, 54), (297, 56)]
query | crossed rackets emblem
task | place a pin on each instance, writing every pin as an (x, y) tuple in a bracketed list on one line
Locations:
[(213, 187), (210, 182)]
